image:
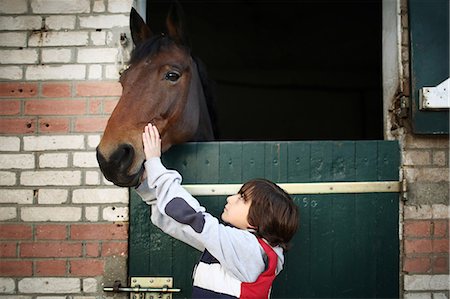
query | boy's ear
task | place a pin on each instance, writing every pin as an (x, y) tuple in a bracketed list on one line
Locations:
[(140, 31), (175, 23)]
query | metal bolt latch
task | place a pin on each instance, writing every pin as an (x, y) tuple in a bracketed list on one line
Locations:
[(146, 288)]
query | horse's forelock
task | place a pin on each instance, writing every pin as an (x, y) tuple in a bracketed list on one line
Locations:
[(151, 47)]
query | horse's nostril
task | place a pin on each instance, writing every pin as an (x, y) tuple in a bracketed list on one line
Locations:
[(123, 157)]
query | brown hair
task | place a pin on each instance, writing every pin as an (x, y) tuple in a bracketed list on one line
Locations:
[(272, 212)]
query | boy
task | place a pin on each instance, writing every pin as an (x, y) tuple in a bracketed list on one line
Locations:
[(240, 258)]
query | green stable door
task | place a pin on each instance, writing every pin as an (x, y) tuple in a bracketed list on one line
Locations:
[(348, 243)]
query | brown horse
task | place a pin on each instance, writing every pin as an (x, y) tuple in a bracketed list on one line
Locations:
[(164, 85)]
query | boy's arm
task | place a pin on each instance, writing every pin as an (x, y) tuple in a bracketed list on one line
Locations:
[(181, 216), (148, 195)]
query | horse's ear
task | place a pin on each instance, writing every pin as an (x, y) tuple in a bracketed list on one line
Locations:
[(139, 30), (176, 25)]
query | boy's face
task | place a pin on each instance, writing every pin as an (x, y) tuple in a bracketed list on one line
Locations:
[(236, 211)]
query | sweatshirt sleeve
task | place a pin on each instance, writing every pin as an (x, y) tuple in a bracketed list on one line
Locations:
[(180, 215)]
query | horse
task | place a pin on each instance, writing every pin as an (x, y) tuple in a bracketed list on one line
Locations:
[(164, 85)]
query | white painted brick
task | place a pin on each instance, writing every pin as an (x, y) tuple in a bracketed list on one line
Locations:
[(56, 160), (99, 195), (106, 182), (13, 39), (426, 282), (104, 21), (116, 6), (90, 285), (51, 213), (99, 6), (94, 71), (23, 56), (98, 38), (418, 212), (50, 285), (11, 72), (7, 178), (91, 213), (92, 141), (56, 55), (17, 161), (60, 22), (13, 7), (7, 213), (63, 72), (21, 23), (52, 196), (62, 142), (92, 178), (9, 144), (7, 285), (17, 196), (440, 211), (417, 296), (440, 295), (112, 72), (115, 214), (87, 159), (59, 38), (97, 55), (50, 178), (60, 6)]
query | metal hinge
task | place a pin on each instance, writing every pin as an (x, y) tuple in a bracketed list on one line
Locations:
[(146, 288)]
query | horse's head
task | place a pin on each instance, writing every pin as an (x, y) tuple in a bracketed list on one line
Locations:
[(161, 86)]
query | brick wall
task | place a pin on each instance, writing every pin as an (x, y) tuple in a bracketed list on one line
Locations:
[(426, 211), (63, 227)]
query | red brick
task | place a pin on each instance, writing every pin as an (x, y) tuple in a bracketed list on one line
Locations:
[(15, 232), (17, 125), (99, 232), (440, 245), (51, 232), (18, 90), (92, 249), (418, 246), (417, 265), (90, 124), (8, 249), (9, 107), (54, 125), (98, 89), (440, 228), (50, 268), (440, 265), (417, 228), (15, 268), (95, 106), (55, 107), (109, 105), (87, 267), (114, 248), (50, 249), (56, 90)]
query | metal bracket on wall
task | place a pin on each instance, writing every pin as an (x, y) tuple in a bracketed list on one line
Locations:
[(302, 188), (432, 98)]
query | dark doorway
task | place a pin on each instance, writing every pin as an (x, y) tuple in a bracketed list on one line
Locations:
[(289, 70)]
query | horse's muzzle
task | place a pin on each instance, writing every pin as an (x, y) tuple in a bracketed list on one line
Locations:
[(116, 167)]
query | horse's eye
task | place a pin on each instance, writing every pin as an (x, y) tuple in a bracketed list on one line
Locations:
[(172, 76)]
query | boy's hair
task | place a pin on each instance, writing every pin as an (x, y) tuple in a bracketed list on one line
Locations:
[(272, 212)]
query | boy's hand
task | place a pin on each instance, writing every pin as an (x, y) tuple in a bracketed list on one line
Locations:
[(151, 141)]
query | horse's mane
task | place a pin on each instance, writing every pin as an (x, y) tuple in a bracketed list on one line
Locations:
[(159, 42)]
